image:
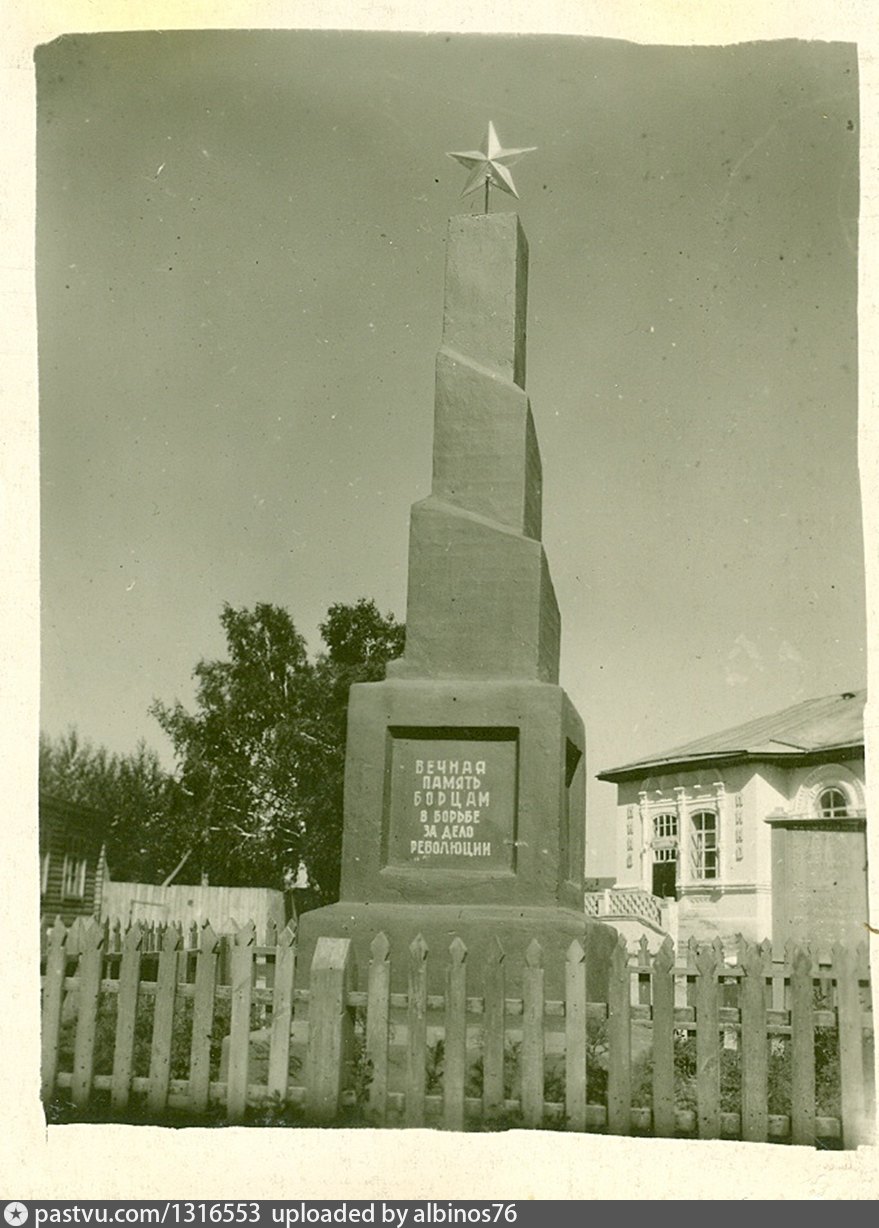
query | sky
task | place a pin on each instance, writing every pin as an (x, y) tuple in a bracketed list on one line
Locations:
[(240, 246)]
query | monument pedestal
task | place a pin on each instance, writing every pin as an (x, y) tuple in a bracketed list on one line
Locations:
[(463, 816), (463, 793)]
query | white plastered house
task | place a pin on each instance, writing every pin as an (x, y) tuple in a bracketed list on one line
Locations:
[(759, 829)]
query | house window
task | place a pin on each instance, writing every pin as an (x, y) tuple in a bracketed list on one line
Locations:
[(44, 873), (665, 827), (832, 804), (704, 844), (73, 876)]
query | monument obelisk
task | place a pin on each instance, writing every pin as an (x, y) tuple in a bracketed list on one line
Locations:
[(465, 769)]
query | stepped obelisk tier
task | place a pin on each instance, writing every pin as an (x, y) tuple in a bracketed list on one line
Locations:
[(465, 769), (481, 602)]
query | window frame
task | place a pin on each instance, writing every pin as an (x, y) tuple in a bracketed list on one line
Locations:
[(832, 811), (665, 828), (73, 875), (705, 855)]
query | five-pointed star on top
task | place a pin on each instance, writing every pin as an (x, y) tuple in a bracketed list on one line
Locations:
[(489, 165)]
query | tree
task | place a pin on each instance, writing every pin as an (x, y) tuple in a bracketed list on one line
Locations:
[(140, 802), (261, 759)]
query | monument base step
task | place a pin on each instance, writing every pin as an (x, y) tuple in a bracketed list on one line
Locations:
[(478, 926)]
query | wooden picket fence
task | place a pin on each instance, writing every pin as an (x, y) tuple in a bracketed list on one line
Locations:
[(697, 1020)]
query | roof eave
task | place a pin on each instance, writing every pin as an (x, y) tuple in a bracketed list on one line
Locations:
[(632, 771)]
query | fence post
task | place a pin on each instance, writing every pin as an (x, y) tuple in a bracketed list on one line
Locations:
[(575, 1037), (455, 1070), (707, 1044), (378, 1023), (416, 1022), (89, 975), (532, 1035), (754, 1043), (619, 1058), (802, 1021), (855, 1127), (163, 1021), (126, 1016), (282, 1011), (662, 993), (239, 1024), (53, 1000), (330, 1027), (493, 1034)]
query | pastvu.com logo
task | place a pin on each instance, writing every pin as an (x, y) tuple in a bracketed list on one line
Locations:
[(15, 1213)]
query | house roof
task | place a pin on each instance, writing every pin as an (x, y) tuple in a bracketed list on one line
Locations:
[(813, 725), (73, 814)]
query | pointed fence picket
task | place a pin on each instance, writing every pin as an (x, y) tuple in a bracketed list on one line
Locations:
[(619, 1060), (203, 1019), (90, 964), (163, 1021), (282, 1009), (327, 1045), (533, 1044), (576, 1086), (416, 1053), (126, 1016), (707, 1044), (239, 1029), (662, 992), (754, 1045), (493, 1040), (455, 1048)]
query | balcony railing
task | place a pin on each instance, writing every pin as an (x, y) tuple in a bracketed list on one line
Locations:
[(624, 902)]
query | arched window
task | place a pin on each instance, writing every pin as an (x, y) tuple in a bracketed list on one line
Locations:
[(703, 828), (832, 804)]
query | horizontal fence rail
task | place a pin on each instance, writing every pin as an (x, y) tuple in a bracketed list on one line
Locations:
[(695, 1042)]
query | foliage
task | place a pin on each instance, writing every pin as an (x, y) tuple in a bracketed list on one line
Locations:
[(181, 1041), (262, 757), (140, 802)]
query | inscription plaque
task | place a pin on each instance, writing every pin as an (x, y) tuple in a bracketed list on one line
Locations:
[(452, 801)]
